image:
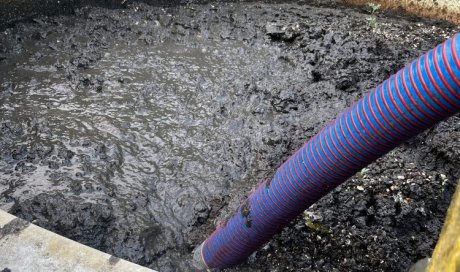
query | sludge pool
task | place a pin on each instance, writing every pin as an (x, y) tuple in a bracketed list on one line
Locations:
[(136, 130)]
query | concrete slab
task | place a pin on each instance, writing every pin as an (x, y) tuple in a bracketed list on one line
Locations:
[(26, 247)]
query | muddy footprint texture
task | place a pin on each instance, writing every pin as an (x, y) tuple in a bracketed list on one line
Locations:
[(136, 130)]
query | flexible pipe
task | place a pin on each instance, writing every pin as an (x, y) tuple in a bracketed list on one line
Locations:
[(419, 96)]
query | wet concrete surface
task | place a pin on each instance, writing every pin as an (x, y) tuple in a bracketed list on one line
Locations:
[(26, 247), (136, 130)]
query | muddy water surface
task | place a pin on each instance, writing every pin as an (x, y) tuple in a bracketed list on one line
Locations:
[(140, 131)]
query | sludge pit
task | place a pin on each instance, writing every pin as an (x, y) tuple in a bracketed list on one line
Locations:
[(135, 130)]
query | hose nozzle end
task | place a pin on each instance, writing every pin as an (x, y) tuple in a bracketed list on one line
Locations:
[(198, 262)]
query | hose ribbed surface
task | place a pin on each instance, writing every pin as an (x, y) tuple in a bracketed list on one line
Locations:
[(416, 98)]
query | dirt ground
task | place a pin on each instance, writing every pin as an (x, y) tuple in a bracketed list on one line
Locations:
[(136, 130)]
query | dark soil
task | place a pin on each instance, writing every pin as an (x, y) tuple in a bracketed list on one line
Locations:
[(135, 131)]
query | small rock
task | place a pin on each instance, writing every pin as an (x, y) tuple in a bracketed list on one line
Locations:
[(400, 177), (360, 188)]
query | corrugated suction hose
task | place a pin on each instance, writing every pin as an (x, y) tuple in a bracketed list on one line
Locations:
[(419, 96)]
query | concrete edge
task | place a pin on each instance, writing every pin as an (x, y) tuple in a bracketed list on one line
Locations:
[(27, 247)]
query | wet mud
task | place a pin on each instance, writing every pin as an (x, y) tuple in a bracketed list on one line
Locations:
[(135, 131)]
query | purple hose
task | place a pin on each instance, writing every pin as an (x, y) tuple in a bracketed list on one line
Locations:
[(419, 96)]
